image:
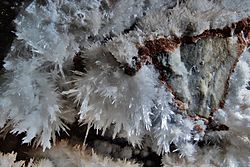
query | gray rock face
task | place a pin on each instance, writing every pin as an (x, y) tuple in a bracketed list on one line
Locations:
[(197, 73), (209, 63)]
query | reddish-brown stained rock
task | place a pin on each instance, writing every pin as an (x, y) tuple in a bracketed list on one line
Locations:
[(148, 52)]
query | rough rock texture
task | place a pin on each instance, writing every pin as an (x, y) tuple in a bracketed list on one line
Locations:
[(209, 63), (206, 66)]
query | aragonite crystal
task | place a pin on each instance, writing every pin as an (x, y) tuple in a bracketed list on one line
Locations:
[(144, 82)]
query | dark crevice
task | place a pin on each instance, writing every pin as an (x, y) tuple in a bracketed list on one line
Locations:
[(13, 143), (79, 64), (8, 12), (132, 27), (151, 159)]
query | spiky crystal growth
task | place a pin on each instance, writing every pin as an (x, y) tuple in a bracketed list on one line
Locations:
[(149, 72)]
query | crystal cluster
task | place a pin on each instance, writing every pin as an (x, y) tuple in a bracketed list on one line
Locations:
[(168, 75)]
